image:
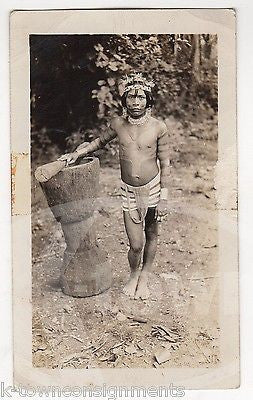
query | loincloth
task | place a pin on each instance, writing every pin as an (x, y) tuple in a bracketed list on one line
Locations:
[(140, 198)]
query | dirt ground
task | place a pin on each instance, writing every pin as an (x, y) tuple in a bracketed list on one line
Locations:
[(178, 325)]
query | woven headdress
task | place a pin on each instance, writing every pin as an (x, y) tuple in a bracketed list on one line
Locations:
[(135, 81)]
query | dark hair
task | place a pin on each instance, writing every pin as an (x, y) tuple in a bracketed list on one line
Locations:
[(149, 97)]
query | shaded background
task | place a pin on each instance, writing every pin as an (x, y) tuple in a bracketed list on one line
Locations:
[(74, 85)]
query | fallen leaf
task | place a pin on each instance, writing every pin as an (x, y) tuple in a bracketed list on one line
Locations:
[(131, 349), (115, 309), (67, 308), (42, 347), (138, 319), (121, 317), (162, 356), (167, 276), (210, 247), (112, 358)]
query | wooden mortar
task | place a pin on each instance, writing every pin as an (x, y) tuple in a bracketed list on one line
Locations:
[(71, 194)]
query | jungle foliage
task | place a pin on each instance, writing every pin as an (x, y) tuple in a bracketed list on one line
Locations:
[(74, 82)]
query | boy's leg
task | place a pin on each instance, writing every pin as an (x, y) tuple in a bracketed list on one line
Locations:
[(151, 233), (136, 240)]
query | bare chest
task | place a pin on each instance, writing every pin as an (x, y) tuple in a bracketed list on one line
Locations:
[(133, 137)]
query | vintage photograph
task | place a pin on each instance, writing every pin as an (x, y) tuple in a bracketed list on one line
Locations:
[(124, 198), (124, 218)]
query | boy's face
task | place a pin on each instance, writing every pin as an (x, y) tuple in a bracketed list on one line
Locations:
[(136, 103)]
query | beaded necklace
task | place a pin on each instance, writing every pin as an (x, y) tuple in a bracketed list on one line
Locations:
[(139, 121)]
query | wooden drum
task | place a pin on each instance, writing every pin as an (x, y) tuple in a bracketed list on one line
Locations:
[(71, 194)]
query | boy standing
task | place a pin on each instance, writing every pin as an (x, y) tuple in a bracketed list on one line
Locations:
[(144, 164)]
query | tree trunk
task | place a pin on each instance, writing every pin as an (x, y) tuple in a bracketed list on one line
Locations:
[(196, 57), (213, 44), (71, 195)]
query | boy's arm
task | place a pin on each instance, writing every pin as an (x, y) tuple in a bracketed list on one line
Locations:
[(98, 143), (163, 156), (85, 148)]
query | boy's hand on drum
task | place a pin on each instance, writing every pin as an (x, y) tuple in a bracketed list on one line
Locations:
[(70, 158)]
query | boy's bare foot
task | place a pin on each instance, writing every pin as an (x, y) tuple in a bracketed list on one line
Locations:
[(142, 291), (130, 288)]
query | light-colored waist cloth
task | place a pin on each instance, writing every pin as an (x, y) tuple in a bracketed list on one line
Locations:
[(140, 198)]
